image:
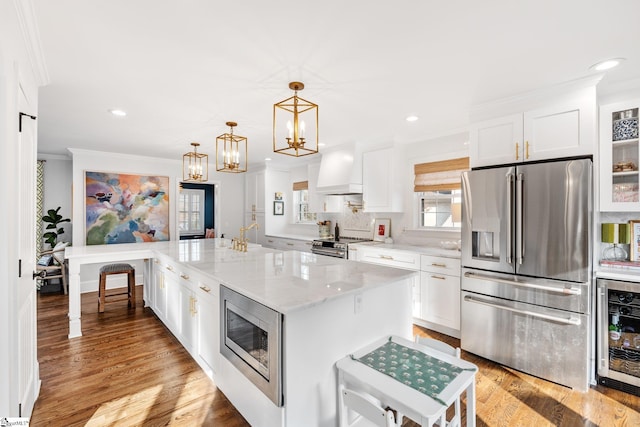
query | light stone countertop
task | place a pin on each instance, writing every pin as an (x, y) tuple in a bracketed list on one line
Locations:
[(282, 280), (425, 250)]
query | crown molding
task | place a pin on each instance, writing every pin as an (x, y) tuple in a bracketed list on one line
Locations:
[(31, 34)]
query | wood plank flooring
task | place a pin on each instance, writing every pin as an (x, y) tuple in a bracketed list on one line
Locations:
[(128, 370)]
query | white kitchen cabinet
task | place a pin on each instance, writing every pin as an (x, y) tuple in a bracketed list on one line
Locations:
[(288, 244), (159, 290), (174, 307), (440, 293), (256, 234), (254, 192), (187, 304), (188, 314), (208, 308), (394, 258), (619, 157), (381, 186), (560, 129)]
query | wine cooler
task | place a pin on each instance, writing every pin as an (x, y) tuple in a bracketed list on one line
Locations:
[(618, 335)]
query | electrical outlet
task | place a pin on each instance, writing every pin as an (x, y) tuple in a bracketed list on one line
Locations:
[(357, 304)]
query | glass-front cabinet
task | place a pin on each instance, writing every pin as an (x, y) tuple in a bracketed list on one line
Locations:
[(619, 175)]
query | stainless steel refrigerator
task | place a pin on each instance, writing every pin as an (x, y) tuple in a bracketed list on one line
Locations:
[(526, 276)]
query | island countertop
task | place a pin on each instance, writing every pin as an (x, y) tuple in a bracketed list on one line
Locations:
[(282, 280)]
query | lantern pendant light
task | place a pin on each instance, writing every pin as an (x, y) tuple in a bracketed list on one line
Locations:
[(195, 166), (295, 125), (231, 151)]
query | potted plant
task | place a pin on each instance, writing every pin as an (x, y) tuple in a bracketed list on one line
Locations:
[(53, 219)]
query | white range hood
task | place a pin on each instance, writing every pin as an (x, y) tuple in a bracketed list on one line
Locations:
[(341, 170)]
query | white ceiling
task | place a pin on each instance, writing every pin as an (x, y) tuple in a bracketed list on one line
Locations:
[(181, 69)]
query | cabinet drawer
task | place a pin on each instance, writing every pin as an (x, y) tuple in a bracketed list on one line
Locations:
[(391, 258), (442, 265)]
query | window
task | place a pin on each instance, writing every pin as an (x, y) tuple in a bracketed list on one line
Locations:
[(437, 193), (440, 208), (301, 203), (191, 212)]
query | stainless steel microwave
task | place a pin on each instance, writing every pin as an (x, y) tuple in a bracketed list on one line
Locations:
[(251, 339)]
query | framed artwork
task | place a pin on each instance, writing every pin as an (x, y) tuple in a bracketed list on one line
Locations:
[(278, 208), (126, 208), (635, 240), (381, 229), (278, 196)]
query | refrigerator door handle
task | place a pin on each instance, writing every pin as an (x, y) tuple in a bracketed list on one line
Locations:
[(567, 291), (566, 321), (509, 217), (519, 219)]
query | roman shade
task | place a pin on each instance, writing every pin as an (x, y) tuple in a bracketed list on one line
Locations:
[(302, 185), (442, 175)]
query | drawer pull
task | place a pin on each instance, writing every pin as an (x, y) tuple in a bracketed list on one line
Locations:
[(205, 288), (438, 277), (185, 276), (289, 244), (270, 241), (437, 264), (386, 257), (169, 268)]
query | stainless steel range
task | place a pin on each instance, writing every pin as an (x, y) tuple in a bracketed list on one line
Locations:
[(335, 248)]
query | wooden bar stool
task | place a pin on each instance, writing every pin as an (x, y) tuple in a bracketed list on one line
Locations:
[(110, 269)]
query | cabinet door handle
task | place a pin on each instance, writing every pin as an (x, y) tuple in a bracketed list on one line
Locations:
[(169, 268), (184, 276), (270, 241), (526, 145), (438, 277), (517, 151), (289, 244), (435, 264), (205, 288)]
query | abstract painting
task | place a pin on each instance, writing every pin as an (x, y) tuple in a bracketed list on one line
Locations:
[(125, 208)]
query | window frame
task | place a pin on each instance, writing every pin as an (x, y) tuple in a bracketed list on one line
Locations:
[(298, 203), (191, 192), (418, 203)]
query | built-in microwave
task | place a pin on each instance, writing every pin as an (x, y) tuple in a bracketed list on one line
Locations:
[(251, 339)]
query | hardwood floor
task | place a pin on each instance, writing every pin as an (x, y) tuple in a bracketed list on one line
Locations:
[(128, 370)]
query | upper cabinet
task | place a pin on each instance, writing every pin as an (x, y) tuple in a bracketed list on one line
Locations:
[(254, 191), (381, 185), (619, 157), (562, 128)]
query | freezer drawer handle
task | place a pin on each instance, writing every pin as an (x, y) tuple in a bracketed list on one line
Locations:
[(569, 321), (568, 291)]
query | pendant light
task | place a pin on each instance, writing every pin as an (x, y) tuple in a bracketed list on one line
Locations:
[(231, 151), (295, 125), (195, 166)]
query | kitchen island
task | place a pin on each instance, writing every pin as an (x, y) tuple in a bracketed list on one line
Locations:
[(330, 308)]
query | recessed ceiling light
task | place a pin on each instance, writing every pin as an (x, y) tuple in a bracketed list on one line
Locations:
[(116, 112), (267, 159), (411, 118), (606, 65)]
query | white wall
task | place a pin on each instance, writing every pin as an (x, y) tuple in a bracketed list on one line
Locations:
[(229, 205)]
